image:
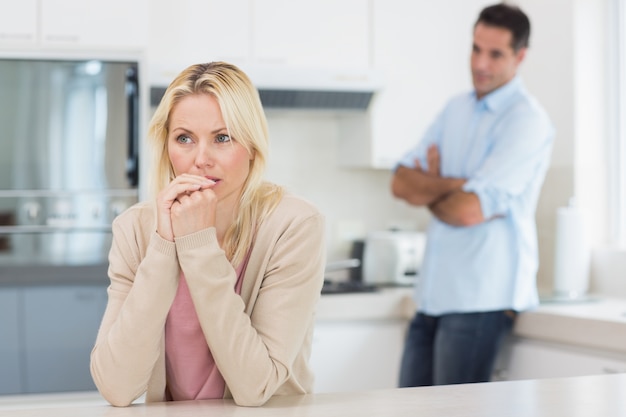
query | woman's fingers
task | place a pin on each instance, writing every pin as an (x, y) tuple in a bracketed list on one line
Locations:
[(181, 187), (194, 212)]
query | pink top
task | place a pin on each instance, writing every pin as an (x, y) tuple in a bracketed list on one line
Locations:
[(190, 368)]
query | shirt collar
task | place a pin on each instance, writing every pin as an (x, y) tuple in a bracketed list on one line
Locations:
[(500, 96)]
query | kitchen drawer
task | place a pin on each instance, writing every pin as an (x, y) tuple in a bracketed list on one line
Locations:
[(532, 359), (10, 346), (60, 328)]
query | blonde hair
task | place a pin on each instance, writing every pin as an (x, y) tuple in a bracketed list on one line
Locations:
[(245, 121)]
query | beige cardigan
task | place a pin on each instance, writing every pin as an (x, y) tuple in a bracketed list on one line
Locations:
[(261, 339)]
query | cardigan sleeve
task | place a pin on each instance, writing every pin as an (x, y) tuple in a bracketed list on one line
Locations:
[(144, 278)]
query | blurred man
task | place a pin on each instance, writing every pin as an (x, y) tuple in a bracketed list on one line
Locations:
[(479, 170)]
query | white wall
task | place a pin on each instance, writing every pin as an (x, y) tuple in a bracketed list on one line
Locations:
[(568, 69)]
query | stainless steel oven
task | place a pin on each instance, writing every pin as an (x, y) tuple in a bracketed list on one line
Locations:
[(68, 158)]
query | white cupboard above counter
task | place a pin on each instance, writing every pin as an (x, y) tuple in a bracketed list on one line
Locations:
[(323, 34), (422, 64), (300, 54), (87, 25), (18, 23)]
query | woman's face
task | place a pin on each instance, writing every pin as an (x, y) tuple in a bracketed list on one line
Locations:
[(198, 143)]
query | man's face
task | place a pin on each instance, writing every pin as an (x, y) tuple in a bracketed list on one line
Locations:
[(493, 62)]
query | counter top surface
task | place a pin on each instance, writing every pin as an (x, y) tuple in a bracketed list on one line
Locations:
[(601, 395), (599, 322), (383, 304)]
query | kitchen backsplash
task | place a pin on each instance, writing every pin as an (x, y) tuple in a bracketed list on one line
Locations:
[(304, 158)]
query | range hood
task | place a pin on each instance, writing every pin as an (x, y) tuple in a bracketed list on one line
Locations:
[(302, 88)]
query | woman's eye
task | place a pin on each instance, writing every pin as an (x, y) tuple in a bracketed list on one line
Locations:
[(183, 139), (222, 138)]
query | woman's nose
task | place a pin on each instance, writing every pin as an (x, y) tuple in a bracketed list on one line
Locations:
[(203, 155)]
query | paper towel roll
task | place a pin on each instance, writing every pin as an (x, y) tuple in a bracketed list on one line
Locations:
[(572, 254)]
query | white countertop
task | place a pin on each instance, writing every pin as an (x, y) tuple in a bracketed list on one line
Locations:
[(384, 304), (598, 323), (600, 395)]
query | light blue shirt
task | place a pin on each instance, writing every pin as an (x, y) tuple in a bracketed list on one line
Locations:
[(501, 144)]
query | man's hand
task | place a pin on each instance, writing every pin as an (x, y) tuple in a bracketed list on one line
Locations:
[(421, 187), (434, 161), (444, 197)]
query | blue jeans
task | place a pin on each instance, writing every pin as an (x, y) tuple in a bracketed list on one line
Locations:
[(453, 348)]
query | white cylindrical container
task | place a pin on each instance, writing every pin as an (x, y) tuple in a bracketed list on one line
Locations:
[(572, 253)]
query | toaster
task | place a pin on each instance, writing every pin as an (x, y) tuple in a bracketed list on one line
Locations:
[(393, 257)]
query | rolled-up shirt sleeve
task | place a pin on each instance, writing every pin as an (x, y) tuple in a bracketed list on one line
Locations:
[(518, 160)]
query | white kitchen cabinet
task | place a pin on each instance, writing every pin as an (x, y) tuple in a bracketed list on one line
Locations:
[(60, 325), (423, 62), (74, 24), (282, 34), (523, 358), (352, 355), (313, 34), (10, 345), (96, 24), (18, 23), (185, 32)]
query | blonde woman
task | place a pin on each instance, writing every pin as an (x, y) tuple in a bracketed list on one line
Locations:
[(215, 281)]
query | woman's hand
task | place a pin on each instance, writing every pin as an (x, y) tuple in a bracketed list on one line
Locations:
[(185, 206)]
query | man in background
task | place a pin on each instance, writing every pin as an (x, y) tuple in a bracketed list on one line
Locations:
[(479, 170)]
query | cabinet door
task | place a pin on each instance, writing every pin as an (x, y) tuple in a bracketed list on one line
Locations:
[(18, 23), (105, 24), (315, 34), (10, 346), (532, 359), (357, 355), (186, 32), (60, 326), (422, 51)]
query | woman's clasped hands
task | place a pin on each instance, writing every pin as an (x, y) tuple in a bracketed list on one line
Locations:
[(186, 205)]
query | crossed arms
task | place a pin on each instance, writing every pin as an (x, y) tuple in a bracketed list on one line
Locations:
[(443, 196)]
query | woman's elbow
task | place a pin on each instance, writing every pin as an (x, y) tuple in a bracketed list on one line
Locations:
[(250, 400), (114, 395)]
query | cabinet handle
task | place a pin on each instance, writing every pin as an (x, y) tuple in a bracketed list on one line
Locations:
[(62, 38), (608, 370), (16, 37)]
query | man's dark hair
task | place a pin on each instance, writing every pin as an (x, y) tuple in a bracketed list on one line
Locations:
[(509, 17)]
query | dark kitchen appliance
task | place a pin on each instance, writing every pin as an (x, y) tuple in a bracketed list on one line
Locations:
[(356, 252), (351, 285)]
